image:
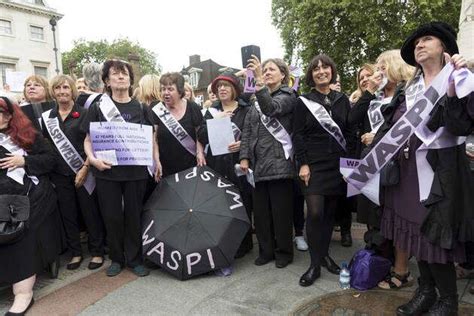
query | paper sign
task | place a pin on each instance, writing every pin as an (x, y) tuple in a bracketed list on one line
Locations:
[(250, 82), (220, 135), (15, 79), (248, 175), (108, 156), (132, 143)]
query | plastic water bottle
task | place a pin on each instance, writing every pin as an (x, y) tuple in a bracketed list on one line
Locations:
[(345, 277)]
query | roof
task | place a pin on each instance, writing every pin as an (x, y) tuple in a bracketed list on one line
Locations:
[(210, 70)]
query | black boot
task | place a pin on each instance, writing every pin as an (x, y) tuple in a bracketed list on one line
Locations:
[(445, 306), (330, 265), (425, 296)]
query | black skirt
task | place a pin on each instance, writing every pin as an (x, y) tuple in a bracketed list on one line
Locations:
[(325, 179)]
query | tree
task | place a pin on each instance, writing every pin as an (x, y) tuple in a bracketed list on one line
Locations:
[(353, 32), (84, 52)]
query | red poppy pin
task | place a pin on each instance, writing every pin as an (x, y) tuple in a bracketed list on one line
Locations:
[(75, 114)]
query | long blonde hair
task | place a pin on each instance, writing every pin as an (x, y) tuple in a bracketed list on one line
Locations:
[(396, 69), (148, 89), (355, 96)]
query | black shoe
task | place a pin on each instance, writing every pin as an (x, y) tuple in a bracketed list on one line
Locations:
[(445, 306), (74, 265), (282, 263), (346, 240), (423, 299), (330, 265), (95, 265), (22, 313), (310, 276), (260, 261)]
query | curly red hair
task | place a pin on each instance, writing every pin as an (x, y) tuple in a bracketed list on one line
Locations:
[(20, 128)]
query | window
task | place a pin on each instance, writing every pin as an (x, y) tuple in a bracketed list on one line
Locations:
[(41, 71), (36, 32), (3, 70), (6, 27)]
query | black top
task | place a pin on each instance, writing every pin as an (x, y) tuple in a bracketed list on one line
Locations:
[(71, 127), (132, 112), (311, 141), (82, 99), (34, 111), (224, 164), (173, 156)]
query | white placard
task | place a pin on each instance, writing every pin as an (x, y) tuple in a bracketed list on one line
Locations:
[(220, 135), (107, 156), (132, 143), (15, 79)]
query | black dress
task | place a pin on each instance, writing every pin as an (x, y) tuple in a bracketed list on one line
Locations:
[(173, 156), (315, 147), (38, 247)]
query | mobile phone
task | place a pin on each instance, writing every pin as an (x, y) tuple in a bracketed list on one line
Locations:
[(247, 52)]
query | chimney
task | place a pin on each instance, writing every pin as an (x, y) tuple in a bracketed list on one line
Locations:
[(194, 59)]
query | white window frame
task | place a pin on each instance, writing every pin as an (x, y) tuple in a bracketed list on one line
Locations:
[(11, 27), (41, 64), (3, 71), (30, 29)]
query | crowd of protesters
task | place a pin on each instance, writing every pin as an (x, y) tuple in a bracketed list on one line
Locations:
[(292, 143)]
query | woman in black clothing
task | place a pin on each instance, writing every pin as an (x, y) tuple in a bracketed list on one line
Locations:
[(120, 189), (319, 152), (173, 155), (227, 89), (430, 216), (25, 152), (66, 118), (267, 149)]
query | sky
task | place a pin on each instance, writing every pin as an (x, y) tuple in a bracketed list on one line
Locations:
[(174, 29)]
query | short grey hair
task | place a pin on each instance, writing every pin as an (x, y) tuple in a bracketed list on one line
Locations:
[(92, 75)]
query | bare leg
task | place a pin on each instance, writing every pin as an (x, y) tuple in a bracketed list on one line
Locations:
[(401, 262), (23, 292)]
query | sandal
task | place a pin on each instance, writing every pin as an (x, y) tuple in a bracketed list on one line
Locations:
[(462, 273), (396, 281)]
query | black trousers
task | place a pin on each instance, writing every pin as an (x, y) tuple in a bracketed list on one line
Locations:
[(72, 203), (319, 224), (298, 209), (246, 193), (273, 214), (121, 205)]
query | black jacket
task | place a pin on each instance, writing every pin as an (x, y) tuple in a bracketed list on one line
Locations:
[(312, 143), (450, 203), (224, 164), (266, 154)]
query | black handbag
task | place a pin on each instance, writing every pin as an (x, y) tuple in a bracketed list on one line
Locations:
[(390, 173), (14, 215)]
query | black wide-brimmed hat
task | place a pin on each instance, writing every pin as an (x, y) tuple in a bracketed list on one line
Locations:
[(441, 30)]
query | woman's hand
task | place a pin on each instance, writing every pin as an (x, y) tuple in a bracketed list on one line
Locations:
[(12, 161), (305, 174), (374, 82), (367, 138), (234, 147), (244, 165), (81, 176), (256, 67), (100, 164), (158, 170), (201, 160), (458, 62)]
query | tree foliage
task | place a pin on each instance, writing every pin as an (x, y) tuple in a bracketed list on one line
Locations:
[(84, 52), (353, 32)]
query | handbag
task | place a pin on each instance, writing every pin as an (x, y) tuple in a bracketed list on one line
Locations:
[(14, 215), (390, 173), (368, 269)]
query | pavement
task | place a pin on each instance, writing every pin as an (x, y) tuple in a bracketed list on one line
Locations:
[(250, 290)]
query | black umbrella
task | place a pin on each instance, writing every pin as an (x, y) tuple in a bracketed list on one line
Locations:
[(194, 223)]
